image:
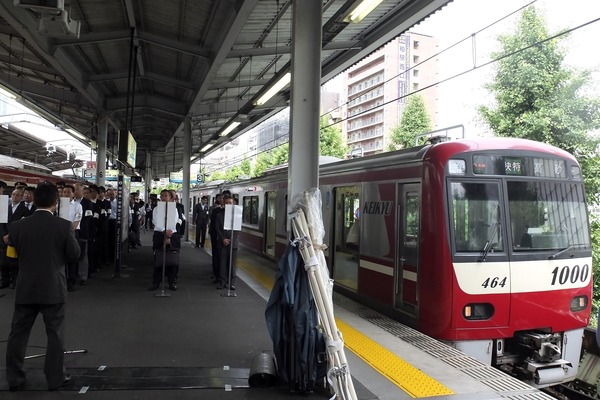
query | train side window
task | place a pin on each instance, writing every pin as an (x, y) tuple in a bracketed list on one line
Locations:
[(411, 234), (476, 216), (250, 210)]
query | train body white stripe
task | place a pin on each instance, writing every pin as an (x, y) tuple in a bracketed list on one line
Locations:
[(383, 269), (523, 276)]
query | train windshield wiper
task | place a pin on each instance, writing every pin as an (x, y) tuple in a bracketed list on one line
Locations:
[(488, 244), (569, 247)]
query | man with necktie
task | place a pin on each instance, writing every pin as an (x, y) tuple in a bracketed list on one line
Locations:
[(28, 200), (201, 217)]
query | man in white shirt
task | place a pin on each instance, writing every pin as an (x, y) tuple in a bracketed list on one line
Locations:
[(75, 215)]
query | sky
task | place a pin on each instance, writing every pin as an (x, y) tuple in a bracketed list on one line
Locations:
[(460, 97)]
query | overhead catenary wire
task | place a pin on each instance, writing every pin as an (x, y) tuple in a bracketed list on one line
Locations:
[(441, 81)]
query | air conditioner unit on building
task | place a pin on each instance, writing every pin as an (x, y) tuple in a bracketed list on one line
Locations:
[(51, 6), (59, 25)]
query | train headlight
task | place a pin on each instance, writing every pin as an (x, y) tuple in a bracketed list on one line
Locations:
[(478, 311), (579, 303)]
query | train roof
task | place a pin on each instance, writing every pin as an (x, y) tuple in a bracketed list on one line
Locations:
[(440, 152)]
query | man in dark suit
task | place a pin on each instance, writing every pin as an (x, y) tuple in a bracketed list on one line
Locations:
[(215, 210), (41, 287), (201, 217), (28, 200), (16, 211)]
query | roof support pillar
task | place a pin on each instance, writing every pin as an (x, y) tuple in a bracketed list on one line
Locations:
[(101, 150), (187, 153), (305, 97), (148, 176)]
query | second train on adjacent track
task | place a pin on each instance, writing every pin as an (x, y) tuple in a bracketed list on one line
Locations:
[(483, 244)]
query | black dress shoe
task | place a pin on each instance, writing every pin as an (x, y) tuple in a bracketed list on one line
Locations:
[(153, 288), (66, 381), (172, 287), (16, 388), (232, 287)]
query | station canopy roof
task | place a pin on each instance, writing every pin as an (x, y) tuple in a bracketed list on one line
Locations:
[(209, 59)]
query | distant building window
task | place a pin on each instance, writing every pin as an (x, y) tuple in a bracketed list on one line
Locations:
[(415, 73), (415, 59), (416, 44), (415, 86)]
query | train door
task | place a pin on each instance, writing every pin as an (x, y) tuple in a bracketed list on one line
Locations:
[(270, 237), (346, 255), (406, 296)]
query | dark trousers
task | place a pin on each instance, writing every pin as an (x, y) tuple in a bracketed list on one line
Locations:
[(4, 274), (216, 256), (92, 256), (22, 322), (227, 259), (200, 234), (9, 270), (171, 263)]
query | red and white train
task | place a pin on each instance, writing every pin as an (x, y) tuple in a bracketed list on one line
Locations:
[(13, 170), (483, 244)]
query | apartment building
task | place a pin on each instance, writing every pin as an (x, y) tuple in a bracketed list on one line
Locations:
[(378, 87)]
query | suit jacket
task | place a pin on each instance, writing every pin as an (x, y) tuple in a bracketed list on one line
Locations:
[(31, 208), (20, 212), (86, 218), (201, 214), (223, 233), (44, 243)]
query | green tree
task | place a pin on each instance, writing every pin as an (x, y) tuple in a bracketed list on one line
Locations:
[(415, 120), (246, 167), (331, 142), (262, 163), (216, 176), (280, 154), (536, 96)]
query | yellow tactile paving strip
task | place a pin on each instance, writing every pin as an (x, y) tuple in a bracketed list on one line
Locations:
[(414, 382), (410, 379)]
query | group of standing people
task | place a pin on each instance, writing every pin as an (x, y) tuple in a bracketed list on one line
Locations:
[(20, 205), (90, 210)]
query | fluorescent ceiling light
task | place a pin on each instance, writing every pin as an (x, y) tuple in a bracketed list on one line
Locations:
[(208, 146), (361, 10), (231, 127), (280, 84), (7, 94), (75, 133)]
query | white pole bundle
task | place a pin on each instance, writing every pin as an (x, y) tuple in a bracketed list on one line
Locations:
[(308, 231)]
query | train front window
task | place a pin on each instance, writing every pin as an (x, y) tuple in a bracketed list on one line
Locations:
[(476, 217), (547, 215)]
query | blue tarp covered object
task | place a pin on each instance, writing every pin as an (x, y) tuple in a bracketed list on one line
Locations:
[(292, 321)]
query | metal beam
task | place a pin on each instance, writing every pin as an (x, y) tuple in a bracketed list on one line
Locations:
[(166, 105)]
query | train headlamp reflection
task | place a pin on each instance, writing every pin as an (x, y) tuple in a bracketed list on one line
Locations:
[(478, 311), (579, 303)]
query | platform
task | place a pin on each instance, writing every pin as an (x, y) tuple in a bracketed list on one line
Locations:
[(199, 344)]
